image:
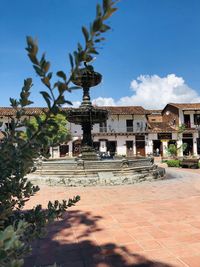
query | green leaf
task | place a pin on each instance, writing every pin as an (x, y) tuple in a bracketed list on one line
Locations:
[(38, 70), (97, 24), (46, 81), (80, 48), (46, 97), (85, 33), (46, 66), (28, 82), (62, 75), (106, 5), (49, 75), (33, 58), (71, 61), (104, 28), (14, 103), (93, 51), (62, 87), (98, 10)]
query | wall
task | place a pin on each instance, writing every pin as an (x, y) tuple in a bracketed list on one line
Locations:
[(171, 115)]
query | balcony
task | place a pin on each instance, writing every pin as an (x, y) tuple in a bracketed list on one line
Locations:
[(125, 130)]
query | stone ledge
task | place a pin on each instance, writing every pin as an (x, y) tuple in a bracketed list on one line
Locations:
[(98, 179)]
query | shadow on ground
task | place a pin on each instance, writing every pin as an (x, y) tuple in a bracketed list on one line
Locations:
[(69, 243)]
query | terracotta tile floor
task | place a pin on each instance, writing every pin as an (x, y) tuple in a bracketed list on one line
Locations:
[(144, 225)]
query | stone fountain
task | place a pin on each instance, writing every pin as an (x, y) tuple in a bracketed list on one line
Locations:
[(86, 115), (88, 169)]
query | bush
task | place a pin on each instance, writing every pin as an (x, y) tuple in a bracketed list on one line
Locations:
[(20, 149), (173, 163)]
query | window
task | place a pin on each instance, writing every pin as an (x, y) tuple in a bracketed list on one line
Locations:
[(188, 135), (197, 119), (129, 125), (187, 120), (103, 127)]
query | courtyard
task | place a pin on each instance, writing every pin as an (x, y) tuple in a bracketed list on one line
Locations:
[(153, 224)]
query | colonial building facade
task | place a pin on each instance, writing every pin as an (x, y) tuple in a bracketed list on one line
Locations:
[(132, 130)]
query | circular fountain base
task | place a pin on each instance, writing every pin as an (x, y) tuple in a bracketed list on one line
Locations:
[(93, 173)]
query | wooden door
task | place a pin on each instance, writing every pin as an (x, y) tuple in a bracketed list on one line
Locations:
[(64, 150), (140, 145), (129, 148)]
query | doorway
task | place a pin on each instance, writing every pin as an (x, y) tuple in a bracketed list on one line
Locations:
[(129, 148), (198, 146), (140, 145), (188, 140), (111, 147), (189, 149), (96, 145), (64, 150), (157, 148)]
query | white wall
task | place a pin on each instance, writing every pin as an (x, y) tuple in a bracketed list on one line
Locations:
[(121, 145)]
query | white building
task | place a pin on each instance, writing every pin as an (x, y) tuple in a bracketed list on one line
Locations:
[(131, 130), (124, 133)]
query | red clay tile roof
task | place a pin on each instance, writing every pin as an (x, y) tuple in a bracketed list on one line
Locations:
[(161, 127), (154, 111), (8, 111), (188, 106), (129, 110)]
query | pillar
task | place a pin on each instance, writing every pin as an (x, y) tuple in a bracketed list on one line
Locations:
[(164, 146), (195, 136), (103, 147)]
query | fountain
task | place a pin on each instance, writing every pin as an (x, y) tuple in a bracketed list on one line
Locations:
[(89, 169), (86, 115)]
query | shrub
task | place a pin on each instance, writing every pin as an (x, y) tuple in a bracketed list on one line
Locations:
[(173, 163), (18, 150)]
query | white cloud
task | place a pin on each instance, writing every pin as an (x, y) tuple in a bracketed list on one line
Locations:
[(101, 101), (154, 92), (76, 104)]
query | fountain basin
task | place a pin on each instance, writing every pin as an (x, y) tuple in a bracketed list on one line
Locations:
[(87, 114), (94, 173)]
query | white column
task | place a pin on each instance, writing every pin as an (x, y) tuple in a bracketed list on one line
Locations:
[(146, 145), (51, 151), (121, 146), (192, 120), (70, 148), (164, 145), (56, 151), (134, 146), (195, 136), (179, 145), (149, 147), (103, 147)]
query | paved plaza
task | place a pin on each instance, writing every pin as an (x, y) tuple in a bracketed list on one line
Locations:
[(153, 224)]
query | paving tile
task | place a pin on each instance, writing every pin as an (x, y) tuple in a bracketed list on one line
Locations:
[(157, 224), (193, 261)]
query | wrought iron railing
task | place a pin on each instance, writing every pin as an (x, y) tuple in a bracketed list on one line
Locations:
[(134, 129)]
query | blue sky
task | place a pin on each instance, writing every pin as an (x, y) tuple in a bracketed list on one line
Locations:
[(152, 54)]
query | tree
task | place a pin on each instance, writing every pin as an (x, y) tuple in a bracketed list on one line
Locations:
[(173, 150), (18, 152), (56, 134)]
